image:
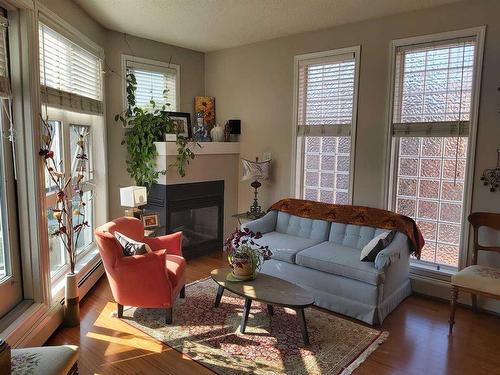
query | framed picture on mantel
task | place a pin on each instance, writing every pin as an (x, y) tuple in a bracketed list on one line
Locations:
[(182, 123)]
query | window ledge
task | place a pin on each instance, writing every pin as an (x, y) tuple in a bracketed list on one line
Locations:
[(430, 272), (84, 265)]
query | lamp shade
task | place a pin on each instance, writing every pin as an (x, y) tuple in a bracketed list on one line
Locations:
[(133, 196), (255, 170)]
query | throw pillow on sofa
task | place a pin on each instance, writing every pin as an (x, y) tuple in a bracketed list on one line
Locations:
[(376, 245), (130, 246)]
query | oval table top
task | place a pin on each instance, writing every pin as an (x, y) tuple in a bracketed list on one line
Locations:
[(265, 288)]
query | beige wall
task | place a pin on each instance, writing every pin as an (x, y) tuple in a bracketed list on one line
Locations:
[(192, 84), (255, 83)]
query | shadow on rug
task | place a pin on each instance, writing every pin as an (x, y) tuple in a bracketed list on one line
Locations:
[(211, 336)]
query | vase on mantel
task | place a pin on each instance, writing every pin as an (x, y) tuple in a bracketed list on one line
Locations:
[(217, 133), (71, 301)]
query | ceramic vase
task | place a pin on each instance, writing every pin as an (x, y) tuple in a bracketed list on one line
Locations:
[(245, 269), (217, 133), (71, 302)]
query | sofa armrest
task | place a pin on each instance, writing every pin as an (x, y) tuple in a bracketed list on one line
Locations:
[(265, 224), (398, 248)]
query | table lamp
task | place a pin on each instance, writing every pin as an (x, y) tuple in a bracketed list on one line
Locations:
[(133, 197), (256, 171)]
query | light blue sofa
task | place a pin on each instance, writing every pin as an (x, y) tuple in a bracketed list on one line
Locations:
[(324, 258)]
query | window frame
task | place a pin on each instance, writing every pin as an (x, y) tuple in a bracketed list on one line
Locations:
[(392, 151), (155, 65), (297, 164)]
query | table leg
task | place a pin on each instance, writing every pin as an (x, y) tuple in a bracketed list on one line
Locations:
[(270, 310), (303, 326), (218, 297), (246, 311)]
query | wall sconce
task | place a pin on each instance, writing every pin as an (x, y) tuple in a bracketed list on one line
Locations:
[(491, 177)]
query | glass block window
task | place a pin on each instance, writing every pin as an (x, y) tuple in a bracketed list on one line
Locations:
[(432, 101), (430, 189), (326, 169), (325, 116)]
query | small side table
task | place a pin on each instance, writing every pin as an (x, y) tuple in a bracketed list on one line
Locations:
[(154, 231), (245, 217)]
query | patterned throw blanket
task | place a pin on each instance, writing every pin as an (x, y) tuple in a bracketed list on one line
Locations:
[(358, 215)]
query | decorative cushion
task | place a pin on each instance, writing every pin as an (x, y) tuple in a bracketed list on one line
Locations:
[(339, 260), (481, 278), (376, 245), (46, 360), (130, 246)]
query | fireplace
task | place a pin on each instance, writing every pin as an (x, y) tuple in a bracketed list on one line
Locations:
[(196, 209)]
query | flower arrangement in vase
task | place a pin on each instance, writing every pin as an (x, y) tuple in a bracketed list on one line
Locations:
[(245, 256), (69, 211)]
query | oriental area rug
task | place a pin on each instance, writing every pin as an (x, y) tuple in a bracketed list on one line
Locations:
[(270, 345)]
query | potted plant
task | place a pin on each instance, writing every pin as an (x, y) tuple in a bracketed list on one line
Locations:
[(245, 256), (69, 211), (144, 127)]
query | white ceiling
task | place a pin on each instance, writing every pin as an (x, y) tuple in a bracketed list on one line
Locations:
[(208, 25)]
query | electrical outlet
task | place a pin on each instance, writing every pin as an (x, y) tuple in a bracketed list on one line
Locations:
[(267, 156)]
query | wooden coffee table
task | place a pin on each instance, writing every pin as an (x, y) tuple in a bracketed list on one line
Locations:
[(267, 289)]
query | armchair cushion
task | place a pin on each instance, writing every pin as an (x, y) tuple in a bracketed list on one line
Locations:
[(130, 246), (481, 278), (176, 267)]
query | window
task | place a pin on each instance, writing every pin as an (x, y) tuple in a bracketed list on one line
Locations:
[(10, 271), (432, 118), (156, 81), (325, 122), (72, 101)]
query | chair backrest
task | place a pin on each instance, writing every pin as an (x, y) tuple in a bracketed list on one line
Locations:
[(483, 219), (109, 247)]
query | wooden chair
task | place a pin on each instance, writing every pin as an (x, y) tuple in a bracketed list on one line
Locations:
[(476, 279)]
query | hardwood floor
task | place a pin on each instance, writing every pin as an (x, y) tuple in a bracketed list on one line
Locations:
[(418, 342)]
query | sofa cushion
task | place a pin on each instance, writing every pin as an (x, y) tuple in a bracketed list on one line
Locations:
[(351, 235), (339, 260), (302, 227), (284, 246)]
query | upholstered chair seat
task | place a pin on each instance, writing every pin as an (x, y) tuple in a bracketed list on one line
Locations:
[(481, 278)]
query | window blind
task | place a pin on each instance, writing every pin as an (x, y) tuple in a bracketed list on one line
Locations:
[(4, 65), (326, 96), (70, 76), (154, 83), (433, 88)]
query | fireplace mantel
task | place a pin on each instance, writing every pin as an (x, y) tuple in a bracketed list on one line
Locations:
[(202, 148)]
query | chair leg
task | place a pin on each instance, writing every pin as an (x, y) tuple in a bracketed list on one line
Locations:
[(119, 310), (474, 303), (182, 294), (453, 307), (168, 316)]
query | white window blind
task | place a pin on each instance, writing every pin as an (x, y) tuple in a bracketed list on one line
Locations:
[(433, 86), (325, 112), (156, 83), (70, 76), (4, 65), (326, 95)]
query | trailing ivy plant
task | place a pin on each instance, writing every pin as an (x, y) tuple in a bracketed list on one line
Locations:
[(144, 127)]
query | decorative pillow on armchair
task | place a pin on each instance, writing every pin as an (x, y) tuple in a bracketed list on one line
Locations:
[(376, 245), (130, 246)]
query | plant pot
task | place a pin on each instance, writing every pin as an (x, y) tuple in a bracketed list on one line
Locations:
[(170, 137), (245, 269), (71, 302)]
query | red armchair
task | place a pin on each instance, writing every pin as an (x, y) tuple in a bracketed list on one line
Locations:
[(151, 280)]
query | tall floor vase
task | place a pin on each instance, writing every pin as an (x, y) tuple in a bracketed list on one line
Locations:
[(71, 302)]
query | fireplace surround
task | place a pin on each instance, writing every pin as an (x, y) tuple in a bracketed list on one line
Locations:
[(196, 209)]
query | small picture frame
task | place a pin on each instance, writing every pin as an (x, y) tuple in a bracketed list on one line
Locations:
[(182, 123), (150, 221)]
